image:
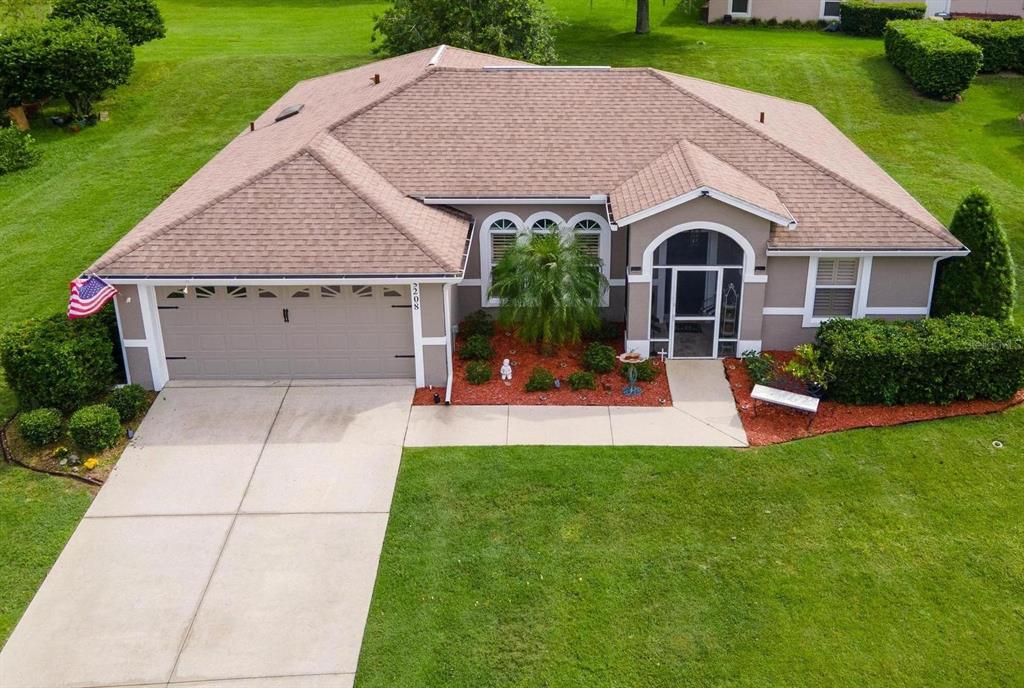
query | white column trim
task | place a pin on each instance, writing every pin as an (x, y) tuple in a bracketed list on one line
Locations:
[(446, 302), (120, 336), (154, 336), (417, 331)]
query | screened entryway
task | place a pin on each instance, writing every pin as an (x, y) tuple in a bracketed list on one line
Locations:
[(696, 294)]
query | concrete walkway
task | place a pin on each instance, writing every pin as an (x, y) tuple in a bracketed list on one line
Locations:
[(702, 415), (235, 545)]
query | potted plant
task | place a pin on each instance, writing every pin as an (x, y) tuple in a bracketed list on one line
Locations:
[(808, 366)]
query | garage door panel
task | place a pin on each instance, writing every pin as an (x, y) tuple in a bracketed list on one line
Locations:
[(342, 331)]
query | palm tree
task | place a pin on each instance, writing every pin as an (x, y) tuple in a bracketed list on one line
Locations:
[(550, 289)]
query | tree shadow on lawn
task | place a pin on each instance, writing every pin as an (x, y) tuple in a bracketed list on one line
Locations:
[(894, 92), (591, 42)]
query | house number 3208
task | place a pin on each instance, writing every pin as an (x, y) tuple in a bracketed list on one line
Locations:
[(415, 296)]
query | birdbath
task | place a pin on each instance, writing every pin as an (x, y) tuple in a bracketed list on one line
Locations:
[(631, 358)]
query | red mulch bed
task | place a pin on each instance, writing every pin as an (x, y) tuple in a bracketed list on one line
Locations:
[(564, 362), (774, 424)]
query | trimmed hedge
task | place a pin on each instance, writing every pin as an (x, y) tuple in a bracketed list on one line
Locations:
[(129, 402), (478, 372), (860, 18), (1001, 43), (581, 379), (476, 348), (937, 63), (95, 427), (599, 358), (933, 361), (541, 380), (41, 426), (58, 362)]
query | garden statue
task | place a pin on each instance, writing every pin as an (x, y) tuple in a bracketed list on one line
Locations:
[(506, 371)]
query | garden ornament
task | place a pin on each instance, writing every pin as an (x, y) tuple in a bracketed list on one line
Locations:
[(506, 370)]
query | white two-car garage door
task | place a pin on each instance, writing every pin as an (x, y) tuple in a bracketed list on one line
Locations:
[(251, 332)]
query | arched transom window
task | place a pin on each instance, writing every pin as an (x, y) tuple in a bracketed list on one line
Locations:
[(544, 225), (588, 233), (502, 233)]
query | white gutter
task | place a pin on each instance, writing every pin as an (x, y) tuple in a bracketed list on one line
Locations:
[(593, 199), (176, 281), (853, 253), (446, 291)]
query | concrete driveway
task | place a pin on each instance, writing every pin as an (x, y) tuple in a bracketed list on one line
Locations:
[(235, 545)]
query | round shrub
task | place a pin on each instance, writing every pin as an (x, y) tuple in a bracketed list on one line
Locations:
[(599, 358), (129, 402), (541, 380), (645, 370), (41, 426), (17, 150), (477, 348), (477, 322), (582, 380), (95, 427), (478, 372), (58, 362)]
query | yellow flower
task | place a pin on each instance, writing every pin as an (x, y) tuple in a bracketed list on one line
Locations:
[(90, 464)]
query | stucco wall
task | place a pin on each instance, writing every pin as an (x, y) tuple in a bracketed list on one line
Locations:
[(130, 317), (900, 282), (432, 310), (787, 282), (783, 332), (435, 365)]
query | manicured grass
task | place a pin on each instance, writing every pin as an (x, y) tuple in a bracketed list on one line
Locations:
[(38, 513), (224, 61), (870, 558)]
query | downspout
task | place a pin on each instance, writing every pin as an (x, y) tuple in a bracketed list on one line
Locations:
[(446, 293)]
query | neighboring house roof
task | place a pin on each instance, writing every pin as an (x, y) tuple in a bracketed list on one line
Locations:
[(332, 189)]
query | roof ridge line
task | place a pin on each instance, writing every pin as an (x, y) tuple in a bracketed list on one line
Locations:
[(690, 164), (821, 168), (163, 229), (428, 71), (395, 222)]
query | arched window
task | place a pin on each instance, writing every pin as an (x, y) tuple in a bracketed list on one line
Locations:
[(502, 233), (544, 225), (588, 233)]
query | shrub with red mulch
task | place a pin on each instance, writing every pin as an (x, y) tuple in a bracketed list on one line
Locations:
[(773, 424), (563, 363)]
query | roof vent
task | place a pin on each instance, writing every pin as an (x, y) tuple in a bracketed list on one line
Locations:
[(375, 79), (289, 111), (761, 118)]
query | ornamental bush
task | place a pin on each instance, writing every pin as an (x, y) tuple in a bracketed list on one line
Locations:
[(934, 361), (599, 358), (477, 322), (57, 362), (582, 380), (981, 283), (760, 366), (17, 150), (40, 426), (937, 63), (140, 20), (541, 380), (87, 59), (645, 370), (477, 348), (129, 401), (94, 428), (865, 18), (478, 372), (25, 72)]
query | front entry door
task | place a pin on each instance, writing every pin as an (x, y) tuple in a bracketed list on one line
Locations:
[(696, 299)]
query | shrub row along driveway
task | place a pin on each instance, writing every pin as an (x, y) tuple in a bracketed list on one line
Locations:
[(237, 538)]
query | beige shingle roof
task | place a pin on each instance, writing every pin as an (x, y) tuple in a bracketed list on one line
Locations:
[(684, 168), (452, 127)]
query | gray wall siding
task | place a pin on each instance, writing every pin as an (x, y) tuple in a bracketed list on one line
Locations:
[(787, 282), (137, 361), (435, 365), (130, 314), (783, 332), (900, 282), (432, 310)]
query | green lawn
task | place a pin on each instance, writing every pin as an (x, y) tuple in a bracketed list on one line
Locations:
[(224, 61), (37, 516), (872, 558)]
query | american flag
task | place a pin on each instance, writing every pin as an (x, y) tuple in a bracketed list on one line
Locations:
[(88, 296)]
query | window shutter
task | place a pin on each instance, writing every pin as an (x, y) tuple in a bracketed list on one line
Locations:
[(591, 243), (500, 244), (837, 271), (833, 302)]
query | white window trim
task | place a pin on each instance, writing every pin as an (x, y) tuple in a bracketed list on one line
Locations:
[(749, 256), (485, 253), (604, 248), (542, 215), (860, 289), (821, 12), (742, 15)]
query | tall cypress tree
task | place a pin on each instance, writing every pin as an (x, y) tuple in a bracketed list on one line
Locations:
[(983, 282)]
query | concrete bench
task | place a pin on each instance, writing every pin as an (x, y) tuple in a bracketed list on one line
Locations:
[(780, 397)]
